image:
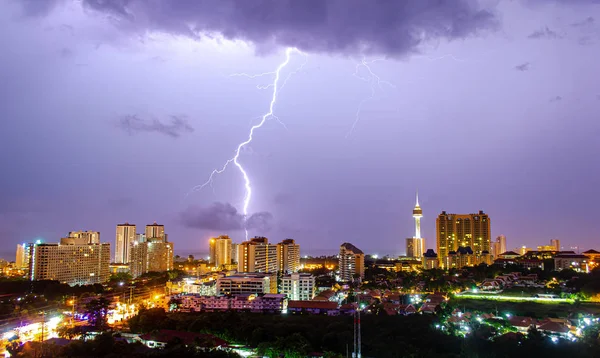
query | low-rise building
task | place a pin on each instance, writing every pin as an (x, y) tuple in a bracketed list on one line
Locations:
[(268, 303), (298, 286), (313, 307), (571, 261), (247, 283)]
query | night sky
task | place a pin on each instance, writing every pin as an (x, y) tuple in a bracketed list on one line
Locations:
[(112, 111)]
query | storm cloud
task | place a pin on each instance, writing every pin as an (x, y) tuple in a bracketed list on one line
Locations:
[(224, 217), (393, 28), (544, 33), (523, 67), (132, 124)]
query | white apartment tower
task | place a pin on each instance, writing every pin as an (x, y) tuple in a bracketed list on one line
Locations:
[(288, 256), (257, 255), (155, 231), (125, 237)]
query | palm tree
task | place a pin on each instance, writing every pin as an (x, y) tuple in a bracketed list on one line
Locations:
[(97, 311)]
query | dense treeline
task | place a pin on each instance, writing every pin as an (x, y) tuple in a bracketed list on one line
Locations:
[(107, 346), (51, 290), (382, 336)]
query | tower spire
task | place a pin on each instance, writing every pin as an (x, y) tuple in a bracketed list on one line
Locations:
[(417, 198)]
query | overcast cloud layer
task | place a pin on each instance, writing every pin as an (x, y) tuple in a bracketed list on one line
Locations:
[(481, 105)]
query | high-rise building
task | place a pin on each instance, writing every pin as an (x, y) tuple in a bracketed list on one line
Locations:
[(154, 255), (220, 251), (555, 243), (73, 264), (351, 262), (257, 255), (87, 237), (502, 241), (462, 230), (140, 237), (298, 286), (125, 237), (155, 231), (498, 247), (23, 256), (415, 246), (234, 253), (288, 256)]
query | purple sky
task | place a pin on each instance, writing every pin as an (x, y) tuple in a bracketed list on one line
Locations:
[(113, 114)]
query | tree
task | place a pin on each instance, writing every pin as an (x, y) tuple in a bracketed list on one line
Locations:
[(97, 311)]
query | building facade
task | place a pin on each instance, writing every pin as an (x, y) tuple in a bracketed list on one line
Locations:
[(462, 230), (220, 251), (288, 256), (247, 283), (430, 260), (86, 237), (125, 237), (298, 286), (155, 231), (351, 262), (23, 256), (70, 263), (555, 243), (257, 255), (153, 255)]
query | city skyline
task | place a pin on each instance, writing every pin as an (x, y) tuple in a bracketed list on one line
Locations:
[(498, 118)]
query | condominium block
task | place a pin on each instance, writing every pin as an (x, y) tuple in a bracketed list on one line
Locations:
[(351, 262), (298, 286), (154, 255), (220, 251), (85, 237), (125, 237), (245, 283), (155, 231), (70, 263), (288, 256), (257, 255), (454, 231)]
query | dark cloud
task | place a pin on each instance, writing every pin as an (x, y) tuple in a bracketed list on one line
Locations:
[(224, 217), (133, 124), (523, 67), (66, 52), (584, 23), (556, 99), (393, 28), (544, 33)]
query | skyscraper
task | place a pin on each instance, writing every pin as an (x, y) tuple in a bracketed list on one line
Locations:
[(125, 237), (351, 262), (462, 230), (555, 243), (288, 256), (155, 231), (257, 255), (220, 250)]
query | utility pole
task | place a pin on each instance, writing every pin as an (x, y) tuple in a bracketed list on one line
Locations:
[(359, 350), (354, 337), (43, 325)]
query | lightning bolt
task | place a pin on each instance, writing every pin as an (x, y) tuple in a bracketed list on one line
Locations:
[(269, 115), (374, 81)]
